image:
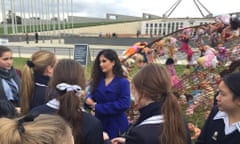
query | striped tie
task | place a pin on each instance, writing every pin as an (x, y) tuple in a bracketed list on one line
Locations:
[(14, 89)]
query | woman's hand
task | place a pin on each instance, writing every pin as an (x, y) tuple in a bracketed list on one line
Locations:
[(118, 140), (90, 102), (18, 110), (105, 136)]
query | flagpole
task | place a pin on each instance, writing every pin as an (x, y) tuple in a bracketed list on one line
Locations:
[(58, 14), (36, 12), (33, 19), (12, 19), (29, 17), (15, 17), (5, 25), (53, 19), (48, 17), (43, 4), (21, 14), (68, 16), (24, 17), (72, 16), (63, 22)]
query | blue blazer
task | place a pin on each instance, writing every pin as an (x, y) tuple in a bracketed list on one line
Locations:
[(112, 101)]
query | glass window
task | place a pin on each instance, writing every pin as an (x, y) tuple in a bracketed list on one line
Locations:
[(169, 25), (146, 31)]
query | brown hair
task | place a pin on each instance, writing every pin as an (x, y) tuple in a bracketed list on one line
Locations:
[(70, 72), (4, 49), (45, 129), (39, 62), (153, 82)]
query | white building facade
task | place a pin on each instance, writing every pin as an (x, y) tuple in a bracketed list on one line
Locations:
[(160, 27)]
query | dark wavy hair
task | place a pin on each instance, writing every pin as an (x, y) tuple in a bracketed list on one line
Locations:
[(97, 73)]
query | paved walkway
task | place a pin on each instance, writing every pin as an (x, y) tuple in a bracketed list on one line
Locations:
[(25, 50), (59, 43)]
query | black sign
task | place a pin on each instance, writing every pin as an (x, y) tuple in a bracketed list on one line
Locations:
[(81, 52)]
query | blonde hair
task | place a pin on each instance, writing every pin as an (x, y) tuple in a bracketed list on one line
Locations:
[(139, 58), (39, 62), (45, 129)]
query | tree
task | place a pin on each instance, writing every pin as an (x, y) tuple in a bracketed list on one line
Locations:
[(9, 18)]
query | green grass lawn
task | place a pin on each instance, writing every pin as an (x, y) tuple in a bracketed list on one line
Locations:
[(62, 26), (19, 62)]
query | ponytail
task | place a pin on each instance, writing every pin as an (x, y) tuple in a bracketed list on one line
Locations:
[(70, 110), (173, 125), (43, 129), (9, 133), (26, 89)]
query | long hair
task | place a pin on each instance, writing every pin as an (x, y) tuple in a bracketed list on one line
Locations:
[(45, 129), (70, 72), (39, 62), (153, 81), (97, 73)]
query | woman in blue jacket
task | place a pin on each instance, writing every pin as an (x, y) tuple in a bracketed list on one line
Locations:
[(109, 94), (223, 123)]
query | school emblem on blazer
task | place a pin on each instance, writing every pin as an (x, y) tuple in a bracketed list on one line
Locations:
[(215, 134)]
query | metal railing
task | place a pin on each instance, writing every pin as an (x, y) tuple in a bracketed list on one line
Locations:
[(67, 52), (60, 52)]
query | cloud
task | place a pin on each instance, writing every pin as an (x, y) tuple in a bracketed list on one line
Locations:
[(99, 8), (94, 8)]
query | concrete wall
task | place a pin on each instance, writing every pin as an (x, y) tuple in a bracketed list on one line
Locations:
[(118, 17), (122, 28), (77, 19)]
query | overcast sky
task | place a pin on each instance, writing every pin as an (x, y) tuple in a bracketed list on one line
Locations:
[(99, 8)]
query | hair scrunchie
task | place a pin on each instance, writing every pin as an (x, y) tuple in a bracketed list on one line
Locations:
[(30, 63), (27, 118), (67, 87)]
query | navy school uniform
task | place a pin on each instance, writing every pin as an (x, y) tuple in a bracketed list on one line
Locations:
[(40, 90), (91, 128), (214, 131), (148, 126)]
